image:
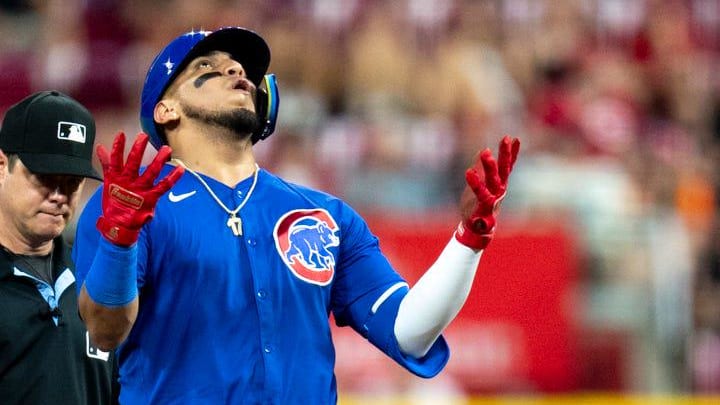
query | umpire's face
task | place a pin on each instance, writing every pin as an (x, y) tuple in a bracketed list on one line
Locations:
[(35, 207)]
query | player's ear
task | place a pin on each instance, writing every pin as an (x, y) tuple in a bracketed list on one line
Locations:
[(165, 112)]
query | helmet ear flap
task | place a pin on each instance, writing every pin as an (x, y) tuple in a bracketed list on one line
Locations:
[(267, 104)]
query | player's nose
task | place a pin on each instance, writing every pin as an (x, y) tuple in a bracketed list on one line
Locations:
[(234, 68)]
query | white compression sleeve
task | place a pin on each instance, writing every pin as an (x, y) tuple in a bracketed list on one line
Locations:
[(432, 303)]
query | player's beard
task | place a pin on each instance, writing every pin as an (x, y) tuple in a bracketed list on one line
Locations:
[(240, 121)]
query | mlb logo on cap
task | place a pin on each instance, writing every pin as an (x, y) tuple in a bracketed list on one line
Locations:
[(71, 131)]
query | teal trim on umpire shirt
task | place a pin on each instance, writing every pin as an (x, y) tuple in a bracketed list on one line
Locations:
[(50, 295)]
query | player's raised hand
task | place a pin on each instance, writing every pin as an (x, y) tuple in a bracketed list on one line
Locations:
[(129, 198), (486, 186)]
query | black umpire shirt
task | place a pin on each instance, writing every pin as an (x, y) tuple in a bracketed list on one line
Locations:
[(45, 352)]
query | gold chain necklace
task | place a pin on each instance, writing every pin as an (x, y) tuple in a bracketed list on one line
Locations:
[(233, 222)]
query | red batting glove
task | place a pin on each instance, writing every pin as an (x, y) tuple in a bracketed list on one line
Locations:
[(129, 199), (485, 190)]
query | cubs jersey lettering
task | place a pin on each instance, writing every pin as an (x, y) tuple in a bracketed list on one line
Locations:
[(228, 319)]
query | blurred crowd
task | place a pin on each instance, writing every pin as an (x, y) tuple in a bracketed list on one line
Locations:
[(384, 103)]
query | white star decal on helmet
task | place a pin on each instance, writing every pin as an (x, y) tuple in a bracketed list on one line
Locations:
[(199, 32), (169, 65)]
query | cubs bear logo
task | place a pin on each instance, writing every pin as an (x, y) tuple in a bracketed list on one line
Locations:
[(303, 239)]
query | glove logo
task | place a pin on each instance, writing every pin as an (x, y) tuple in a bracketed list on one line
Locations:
[(126, 197), (303, 239)]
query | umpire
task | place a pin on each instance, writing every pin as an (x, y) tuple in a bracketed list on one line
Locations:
[(46, 357)]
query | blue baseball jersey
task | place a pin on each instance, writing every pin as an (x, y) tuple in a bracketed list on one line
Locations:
[(228, 319)]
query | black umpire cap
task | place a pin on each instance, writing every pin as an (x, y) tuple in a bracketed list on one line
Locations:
[(52, 134)]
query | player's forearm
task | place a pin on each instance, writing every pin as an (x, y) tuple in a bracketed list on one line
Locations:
[(108, 326), (434, 301), (108, 298)]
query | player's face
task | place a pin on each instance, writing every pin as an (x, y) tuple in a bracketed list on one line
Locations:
[(37, 206), (214, 82), (213, 91)]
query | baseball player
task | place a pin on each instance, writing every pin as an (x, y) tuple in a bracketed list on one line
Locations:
[(219, 291)]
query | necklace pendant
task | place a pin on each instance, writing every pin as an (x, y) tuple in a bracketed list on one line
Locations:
[(235, 224)]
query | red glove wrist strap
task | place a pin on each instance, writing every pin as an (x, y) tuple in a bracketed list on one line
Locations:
[(117, 234), (471, 239)]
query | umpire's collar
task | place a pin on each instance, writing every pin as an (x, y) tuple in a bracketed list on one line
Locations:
[(61, 258)]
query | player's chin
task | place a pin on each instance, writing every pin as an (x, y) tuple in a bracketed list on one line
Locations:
[(243, 100), (245, 118), (246, 109)]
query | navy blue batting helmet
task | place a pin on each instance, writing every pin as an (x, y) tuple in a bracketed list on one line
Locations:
[(243, 45)]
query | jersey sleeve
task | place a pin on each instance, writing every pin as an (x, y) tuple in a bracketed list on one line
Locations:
[(87, 239), (367, 293)]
